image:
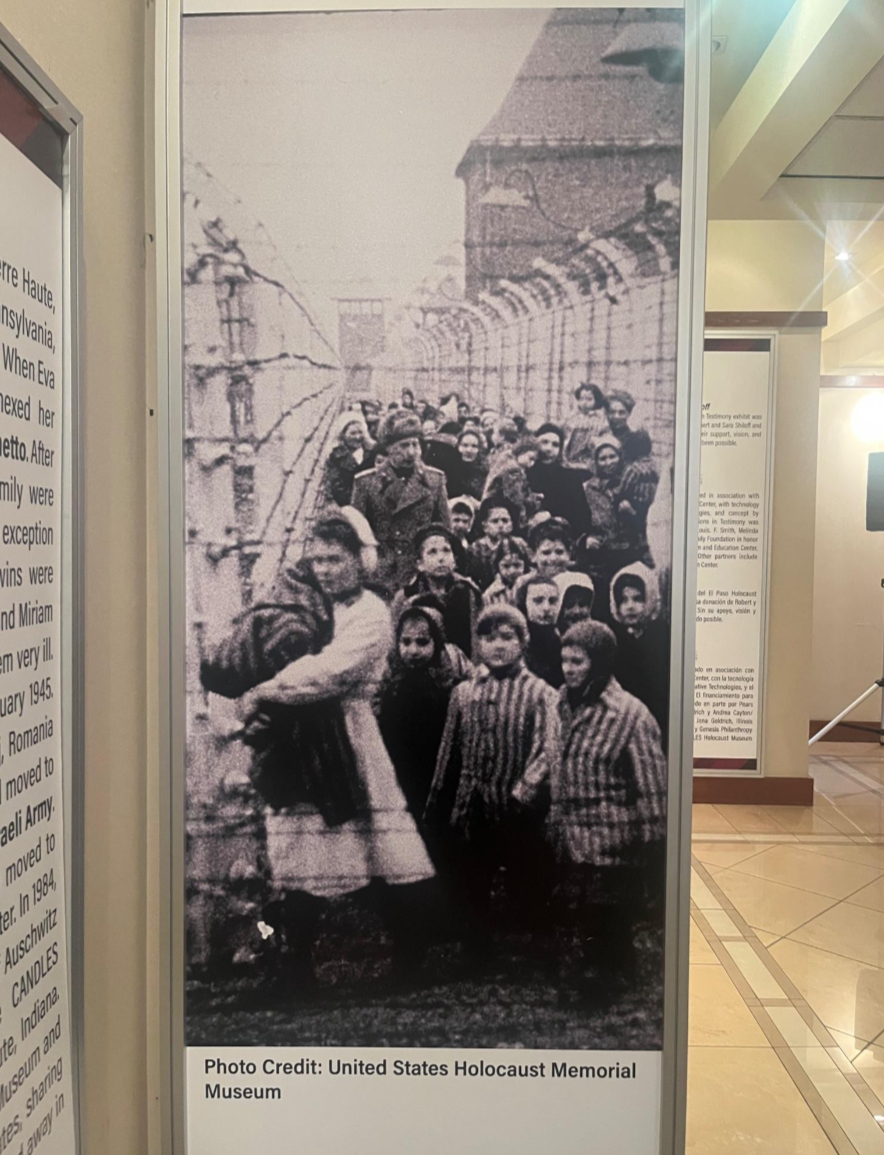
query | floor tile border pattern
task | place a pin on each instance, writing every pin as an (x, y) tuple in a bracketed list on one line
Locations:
[(845, 1106)]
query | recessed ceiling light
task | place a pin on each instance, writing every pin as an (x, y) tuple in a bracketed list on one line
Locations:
[(842, 256)]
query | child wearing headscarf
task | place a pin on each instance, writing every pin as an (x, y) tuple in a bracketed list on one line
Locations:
[(537, 596), (576, 597), (413, 700), (642, 666), (607, 808)]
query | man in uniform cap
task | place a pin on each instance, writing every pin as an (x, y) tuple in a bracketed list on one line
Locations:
[(400, 497)]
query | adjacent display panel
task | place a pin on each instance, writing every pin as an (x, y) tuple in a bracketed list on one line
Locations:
[(733, 548), (433, 351), (39, 715)]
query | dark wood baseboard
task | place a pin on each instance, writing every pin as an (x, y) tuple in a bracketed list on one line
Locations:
[(844, 733), (734, 791)]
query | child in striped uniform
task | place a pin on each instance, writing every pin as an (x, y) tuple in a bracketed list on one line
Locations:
[(608, 806), (499, 748)]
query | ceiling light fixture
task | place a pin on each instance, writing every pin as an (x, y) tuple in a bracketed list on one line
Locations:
[(842, 256)]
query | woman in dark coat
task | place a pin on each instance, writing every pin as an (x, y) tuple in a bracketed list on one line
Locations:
[(466, 475), (618, 498), (559, 487), (635, 443), (351, 455)]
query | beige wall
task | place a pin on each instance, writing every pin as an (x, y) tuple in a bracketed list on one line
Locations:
[(848, 605), (773, 266), (94, 51)]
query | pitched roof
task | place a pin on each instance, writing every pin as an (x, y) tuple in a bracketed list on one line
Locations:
[(566, 94)]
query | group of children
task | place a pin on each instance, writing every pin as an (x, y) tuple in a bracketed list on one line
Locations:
[(539, 577), (534, 774)]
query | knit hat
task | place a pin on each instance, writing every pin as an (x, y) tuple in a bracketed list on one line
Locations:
[(606, 441), (551, 427), (427, 531), (599, 642), (498, 503), (345, 420), (351, 528), (502, 614), (551, 529), (431, 615), (400, 424)]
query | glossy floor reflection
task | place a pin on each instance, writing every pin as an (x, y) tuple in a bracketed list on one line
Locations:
[(787, 968)]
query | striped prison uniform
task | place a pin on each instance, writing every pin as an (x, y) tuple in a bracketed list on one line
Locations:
[(501, 742), (609, 795)]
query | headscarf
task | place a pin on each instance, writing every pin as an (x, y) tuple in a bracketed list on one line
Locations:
[(551, 427), (606, 441), (439, 670), (368, 543), (345, 419), (638, 572), (464, 499), (569, 581), (503, 613)]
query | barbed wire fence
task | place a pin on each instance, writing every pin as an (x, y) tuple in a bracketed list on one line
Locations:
[(263, 387)]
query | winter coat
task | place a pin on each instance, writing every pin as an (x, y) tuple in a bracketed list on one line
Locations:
[(618, 512), (341, 469), (460, 605), (300, 754), (499, 594), (581, 432), (480, 562), (511, 483), (412, 709), (440, 452), (544, 654), (608, 795), (396, 508), (561, 492), (467, 478), (642, 663), (304, 852), (500, 744)]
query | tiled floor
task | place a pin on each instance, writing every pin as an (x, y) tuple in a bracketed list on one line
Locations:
[(787, 969)]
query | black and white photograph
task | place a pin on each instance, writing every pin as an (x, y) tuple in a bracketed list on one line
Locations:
[(430, 320)]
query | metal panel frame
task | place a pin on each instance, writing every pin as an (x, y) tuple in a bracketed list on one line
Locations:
[(169, 486), (771, 335), (68, 122)]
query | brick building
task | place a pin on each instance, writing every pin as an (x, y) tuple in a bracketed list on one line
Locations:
[(592, 121)]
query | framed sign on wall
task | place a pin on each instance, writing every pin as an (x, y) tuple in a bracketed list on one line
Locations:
[(736, 487), (430, 301), (40, 610)]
